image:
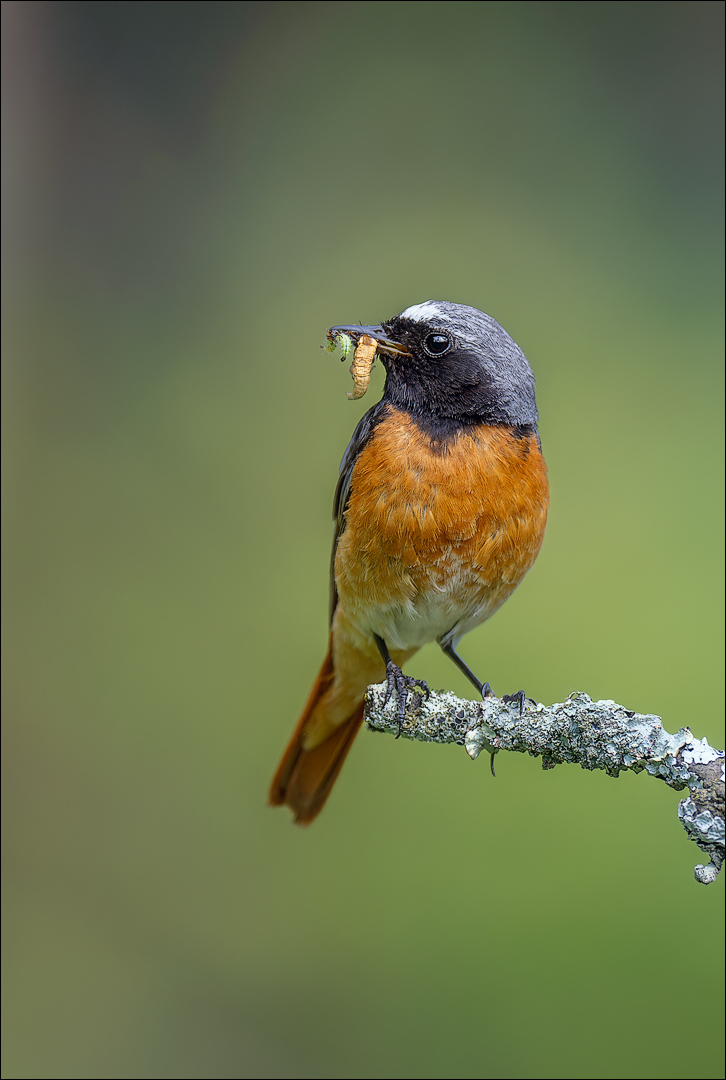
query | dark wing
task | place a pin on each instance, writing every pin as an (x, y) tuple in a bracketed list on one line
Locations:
[(361, 435)]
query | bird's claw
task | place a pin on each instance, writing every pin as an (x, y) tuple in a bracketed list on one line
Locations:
[(519, 697), (401, 685)]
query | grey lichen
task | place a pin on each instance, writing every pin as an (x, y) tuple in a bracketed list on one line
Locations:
[(593, 734), (702, 813)]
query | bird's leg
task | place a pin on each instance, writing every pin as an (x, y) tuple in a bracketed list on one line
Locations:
[(484, 688), (397, 682)]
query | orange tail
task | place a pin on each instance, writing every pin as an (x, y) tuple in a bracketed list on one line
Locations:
[(304, 778)]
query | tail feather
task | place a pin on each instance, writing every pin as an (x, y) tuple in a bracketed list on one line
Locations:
[(304, 778)]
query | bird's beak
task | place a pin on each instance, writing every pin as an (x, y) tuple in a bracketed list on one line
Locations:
[(383, 341)]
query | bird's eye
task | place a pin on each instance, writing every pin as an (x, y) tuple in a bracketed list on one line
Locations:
[(437, 344)]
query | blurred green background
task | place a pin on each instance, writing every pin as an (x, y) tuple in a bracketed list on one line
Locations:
[(194, 192)]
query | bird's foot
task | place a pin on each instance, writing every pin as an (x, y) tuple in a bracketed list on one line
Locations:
[(519, 697), (401, 685)]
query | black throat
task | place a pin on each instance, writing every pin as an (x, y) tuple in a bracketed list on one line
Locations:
[(445, 408)]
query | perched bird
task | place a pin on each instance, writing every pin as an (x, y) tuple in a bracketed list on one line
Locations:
[(440, 511)]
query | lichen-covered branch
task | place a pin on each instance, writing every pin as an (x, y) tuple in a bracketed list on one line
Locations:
[(593, 734)]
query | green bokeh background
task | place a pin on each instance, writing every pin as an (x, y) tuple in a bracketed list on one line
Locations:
[(196, 191)]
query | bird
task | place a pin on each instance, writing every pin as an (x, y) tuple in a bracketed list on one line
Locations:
[(440, 510)]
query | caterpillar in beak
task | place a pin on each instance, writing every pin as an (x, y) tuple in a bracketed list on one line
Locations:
[(363, 357), (335, 341), (360, 369)]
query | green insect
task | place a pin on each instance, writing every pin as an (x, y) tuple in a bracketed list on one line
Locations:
[(341, 341)]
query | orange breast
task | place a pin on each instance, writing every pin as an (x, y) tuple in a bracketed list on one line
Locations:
[(438, 535)]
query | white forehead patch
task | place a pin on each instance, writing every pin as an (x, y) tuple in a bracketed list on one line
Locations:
[(428, 312)]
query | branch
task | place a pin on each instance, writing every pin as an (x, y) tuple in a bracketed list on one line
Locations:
[(593, 734)]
